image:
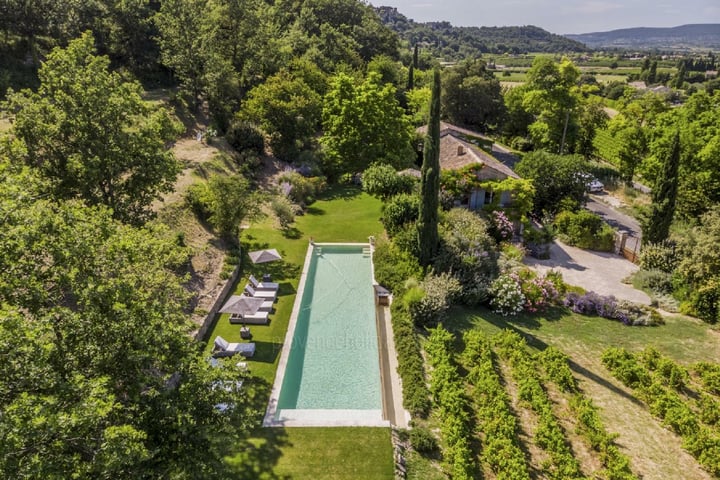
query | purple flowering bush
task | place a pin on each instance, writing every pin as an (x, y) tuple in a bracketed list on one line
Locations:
[(607, 306)]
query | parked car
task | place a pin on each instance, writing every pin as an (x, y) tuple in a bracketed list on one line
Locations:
[(595, 186)]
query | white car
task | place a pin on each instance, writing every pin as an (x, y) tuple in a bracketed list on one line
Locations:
[(595, 185)]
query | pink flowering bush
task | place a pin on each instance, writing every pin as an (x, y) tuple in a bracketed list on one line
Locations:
[(539, 292), (523, 290), (501, 228)]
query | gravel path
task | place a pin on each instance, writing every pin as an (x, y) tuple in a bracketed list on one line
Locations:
[(597, 271)]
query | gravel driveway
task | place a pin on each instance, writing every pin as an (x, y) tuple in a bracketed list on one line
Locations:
[(597, 271)]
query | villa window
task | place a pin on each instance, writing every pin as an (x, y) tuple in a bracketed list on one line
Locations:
[(488, 197)]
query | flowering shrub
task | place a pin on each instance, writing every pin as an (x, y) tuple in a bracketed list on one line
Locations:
[(500, 227), (628, 313), (539, 292), (436, 293), (659, 256), (507, 296)]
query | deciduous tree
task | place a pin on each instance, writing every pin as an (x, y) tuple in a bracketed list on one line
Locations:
[(100, 377), (90, 133), (364, 124)]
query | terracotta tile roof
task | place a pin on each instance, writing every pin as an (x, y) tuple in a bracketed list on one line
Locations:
[(456, 153)]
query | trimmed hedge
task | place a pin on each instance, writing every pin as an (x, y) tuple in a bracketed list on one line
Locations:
[(416, 396)]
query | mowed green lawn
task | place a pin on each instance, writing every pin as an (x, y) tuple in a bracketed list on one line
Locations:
[(343, 214), (683, 339)]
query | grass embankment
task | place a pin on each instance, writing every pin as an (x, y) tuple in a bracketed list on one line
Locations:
[(343, 214)]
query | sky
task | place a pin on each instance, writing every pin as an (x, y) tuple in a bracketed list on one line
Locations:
[(560, 16)]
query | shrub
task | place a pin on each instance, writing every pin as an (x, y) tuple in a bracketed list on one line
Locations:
[(512, 253), (400, 211), (506, 296), (423, 440), (283, 210), (393, 266), (249, 164), (659, 256), (500, 227), (541, 235), (244, 136), (706, 301), (709, 376), (629, 313), (196, 197), (584, 229), (438, 291), (557, 280), (539, 292), (383, 181), (654, 280), (416, 397), (469, 252), (301, 190)]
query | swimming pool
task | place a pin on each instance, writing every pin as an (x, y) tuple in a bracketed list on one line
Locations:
[(331, 373)]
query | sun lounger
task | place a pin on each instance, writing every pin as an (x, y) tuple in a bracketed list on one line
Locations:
[(223, 348), (258, 318), (262, 285), (266, 294)]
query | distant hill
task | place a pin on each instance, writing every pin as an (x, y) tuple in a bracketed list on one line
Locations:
[(684, 37), (456, 43)]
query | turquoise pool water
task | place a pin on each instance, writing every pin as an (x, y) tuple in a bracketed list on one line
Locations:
[(333, 362)]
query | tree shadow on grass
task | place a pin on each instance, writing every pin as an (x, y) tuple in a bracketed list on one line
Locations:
[(315, 211), (266, 352), (257, 455), (344, 192), (293, 233)]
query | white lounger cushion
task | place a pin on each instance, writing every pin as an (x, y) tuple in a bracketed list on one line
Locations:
[(253, 316), (244, 349), (270, 294), (263, 285)]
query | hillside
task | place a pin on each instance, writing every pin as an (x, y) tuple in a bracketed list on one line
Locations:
[(455, 43), (684, 37)]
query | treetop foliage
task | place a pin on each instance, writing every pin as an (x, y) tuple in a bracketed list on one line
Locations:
[(89, 132)]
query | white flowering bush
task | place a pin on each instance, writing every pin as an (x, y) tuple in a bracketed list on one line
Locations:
[(439, 293), (506, 296)]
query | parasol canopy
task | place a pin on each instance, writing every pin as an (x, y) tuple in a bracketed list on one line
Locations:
[(263, 256), (242, 305)]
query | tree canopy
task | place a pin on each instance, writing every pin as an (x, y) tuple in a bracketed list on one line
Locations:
[(100, 377), (364, 124), (471, 96), (556, 178), (88, 131)]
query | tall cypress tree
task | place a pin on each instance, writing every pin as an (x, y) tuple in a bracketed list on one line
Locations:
[(410, 79), (430, 181), (656, 227), (415, 57)]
